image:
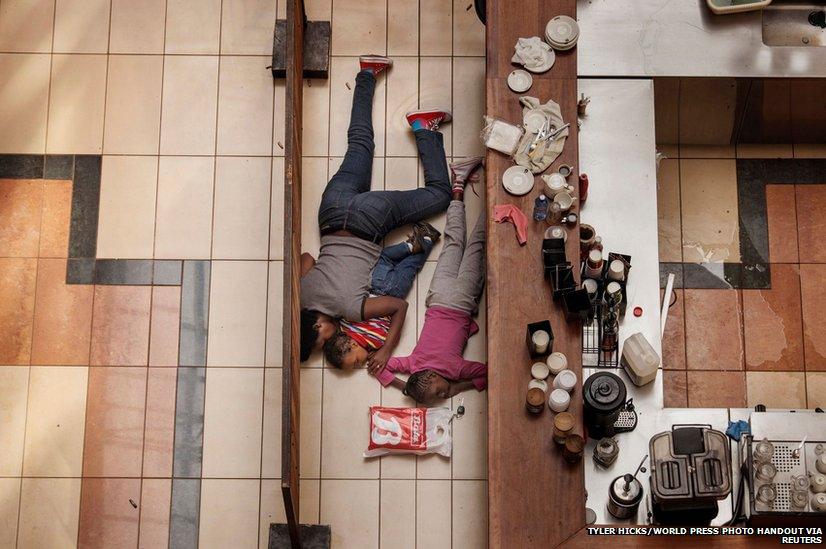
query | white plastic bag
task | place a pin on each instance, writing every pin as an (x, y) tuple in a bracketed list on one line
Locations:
[(409, 431)]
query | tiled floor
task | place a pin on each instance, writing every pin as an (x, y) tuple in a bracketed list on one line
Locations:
[(737, 346), (121, 428)]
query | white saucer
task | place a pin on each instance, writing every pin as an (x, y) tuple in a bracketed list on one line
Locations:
[(534, 120), (550, 57), (562, 32), (517, 180), (520, 81)]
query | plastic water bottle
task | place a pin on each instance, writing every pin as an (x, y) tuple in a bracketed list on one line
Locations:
[(540, 208)]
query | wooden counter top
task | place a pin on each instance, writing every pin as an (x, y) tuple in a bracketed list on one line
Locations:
[(536, 499)]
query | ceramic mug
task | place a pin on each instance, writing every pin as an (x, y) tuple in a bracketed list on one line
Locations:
[(565, 170), (565, 200), (556, 183)]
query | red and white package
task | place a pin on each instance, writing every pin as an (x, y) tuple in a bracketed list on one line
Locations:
[(409, 431)]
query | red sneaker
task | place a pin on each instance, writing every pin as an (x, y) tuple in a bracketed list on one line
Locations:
[(428, 120), (375, 63)]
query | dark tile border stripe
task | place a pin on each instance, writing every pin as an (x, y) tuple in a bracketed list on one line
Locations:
[(754, 269), (184, 513)]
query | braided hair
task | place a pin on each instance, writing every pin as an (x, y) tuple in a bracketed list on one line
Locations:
[(417, 384), (336, 348)]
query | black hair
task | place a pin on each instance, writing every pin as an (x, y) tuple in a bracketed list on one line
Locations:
[(336, 347), (309, 333), (417, 384)]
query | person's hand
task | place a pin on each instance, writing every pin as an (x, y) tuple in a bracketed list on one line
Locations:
[(377, 361)]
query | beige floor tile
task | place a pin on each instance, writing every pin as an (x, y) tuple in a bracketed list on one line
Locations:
[(193, 26), (313, 181), (810, 150), (433, 513), (26, 26), (237, 315), (272, 506), (245, 102), (76, 104), (55, 420), (666, 110), (669, 226), (399, 466), (271, 443), (137, 27), (9, 505), (316, 118), (126, 226), (776, 389), (14, 386), (81, 26), (275, 311), (470, 514), (246, 26), (398, 506), (753, 150), (316, 9), (816, 389), (707, 151), (468, 31), (242, 208), (183, 225), (347, 397), (402, 97), (232, 422), (402, 28), (359, 26), (470, 437), (343, 72), (311, 401), (468, 79), (190, 88), (709, 211), (707, 108), (133, 105), (435, 27), (351, 525), (434, 93), (229, 513), (24, 102), (49, 512), (279, 121), (277, 209), (156, 494)]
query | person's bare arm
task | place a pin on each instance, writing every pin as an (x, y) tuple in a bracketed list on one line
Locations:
[(396, 309), (457, 387), (307, 263), (398, 383)]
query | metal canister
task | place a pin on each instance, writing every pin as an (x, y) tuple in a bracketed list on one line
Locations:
[(535, 400), (606, 452), (563, 426), (624, 496)]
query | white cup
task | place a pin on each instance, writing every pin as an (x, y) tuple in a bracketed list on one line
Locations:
[(559, 400), (540, 340), (556, 183), (556, 362), (565, 200), (540, 370), (566, 380)]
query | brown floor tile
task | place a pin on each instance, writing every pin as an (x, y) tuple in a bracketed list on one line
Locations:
[(811, 222), (772, 327), (57, 213), (716, 389), (816, 389), (813, 301), (62, 317), (108, 517), (114, 422), (156, 495), (21, 207), (776, 389), (675, 389), (708, 194), (17, 292), (164, 326), (160, 422), (713, 325), (120, 326), (782, 220), (673, 342)]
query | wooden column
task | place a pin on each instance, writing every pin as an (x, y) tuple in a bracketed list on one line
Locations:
[(292, 268), (536, 498)]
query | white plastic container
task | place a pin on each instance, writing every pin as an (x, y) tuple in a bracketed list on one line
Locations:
[(540, 370), (556, 362), (639, 359), (566, 380), (559, 400), (539, 384)]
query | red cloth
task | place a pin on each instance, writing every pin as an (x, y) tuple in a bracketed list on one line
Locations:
[(509, 212)]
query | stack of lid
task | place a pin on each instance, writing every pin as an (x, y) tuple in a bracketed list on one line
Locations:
[(562, 32)]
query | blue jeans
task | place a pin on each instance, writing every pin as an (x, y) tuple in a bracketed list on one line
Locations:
[(349, 204), (397, 268)]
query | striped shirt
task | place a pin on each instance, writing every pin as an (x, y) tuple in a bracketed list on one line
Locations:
[(369, 334)]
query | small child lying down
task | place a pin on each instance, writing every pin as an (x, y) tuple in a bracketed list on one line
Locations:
[(437, 368)]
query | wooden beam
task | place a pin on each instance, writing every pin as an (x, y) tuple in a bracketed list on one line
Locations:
[(536, 498), (292, 269)]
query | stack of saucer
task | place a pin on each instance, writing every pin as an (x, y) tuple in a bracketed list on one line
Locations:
[(562, 32)]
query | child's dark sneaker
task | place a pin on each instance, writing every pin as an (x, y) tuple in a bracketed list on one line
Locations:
[(427, 231), (375, 63), (427, 119)]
